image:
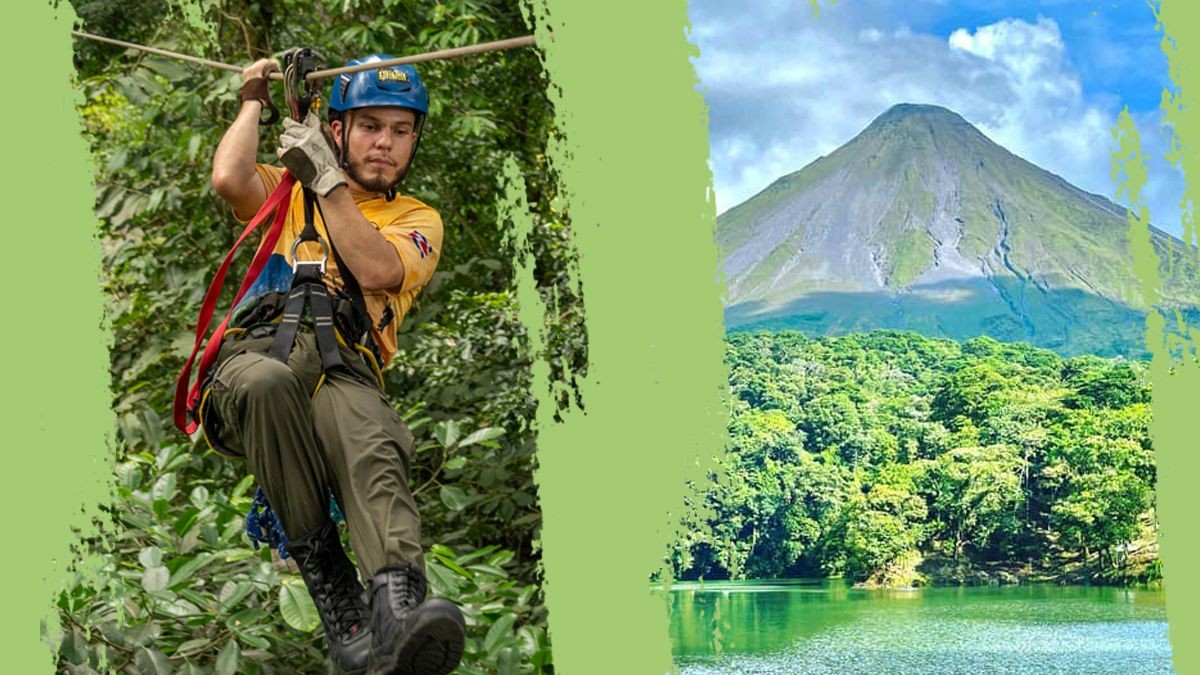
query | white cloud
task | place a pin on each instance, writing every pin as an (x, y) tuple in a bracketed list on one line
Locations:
[(801, 87), (870, 35)]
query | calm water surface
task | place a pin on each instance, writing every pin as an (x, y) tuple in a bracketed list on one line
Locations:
[(814, 627)]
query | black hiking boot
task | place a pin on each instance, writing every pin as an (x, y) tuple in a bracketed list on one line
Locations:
[(408, 634), (333, 584)]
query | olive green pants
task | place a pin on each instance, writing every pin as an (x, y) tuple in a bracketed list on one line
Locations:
[(303, 435)]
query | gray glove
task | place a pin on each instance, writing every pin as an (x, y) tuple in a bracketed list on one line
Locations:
[(308, 155)]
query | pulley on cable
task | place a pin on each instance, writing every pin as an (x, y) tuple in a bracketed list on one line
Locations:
[(308, 286)]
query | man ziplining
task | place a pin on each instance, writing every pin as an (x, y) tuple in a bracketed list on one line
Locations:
[(309, 415), (295, 386)]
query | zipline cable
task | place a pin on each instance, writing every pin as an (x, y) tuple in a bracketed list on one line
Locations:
[(429, 56), (160, 52), (455, 52)]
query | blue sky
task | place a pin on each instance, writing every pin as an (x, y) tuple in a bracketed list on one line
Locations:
[(1046, 79)]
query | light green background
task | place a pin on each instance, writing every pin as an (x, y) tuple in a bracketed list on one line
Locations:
[(635, 174), (1175, 391), (57, 421)]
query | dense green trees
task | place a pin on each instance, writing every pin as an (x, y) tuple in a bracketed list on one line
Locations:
[(178, 588), (889, 457)]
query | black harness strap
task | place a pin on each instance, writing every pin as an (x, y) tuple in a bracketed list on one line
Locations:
[(308, 288), (349, 283)]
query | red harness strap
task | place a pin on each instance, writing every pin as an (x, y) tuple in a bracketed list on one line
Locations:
[(185, 400)]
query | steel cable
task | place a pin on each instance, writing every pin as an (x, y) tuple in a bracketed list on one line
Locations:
[(455, 52)]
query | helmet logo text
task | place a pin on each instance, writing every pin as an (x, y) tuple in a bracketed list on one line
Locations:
[(393, 76)]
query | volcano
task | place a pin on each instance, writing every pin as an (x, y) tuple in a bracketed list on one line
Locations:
[(921, 222)]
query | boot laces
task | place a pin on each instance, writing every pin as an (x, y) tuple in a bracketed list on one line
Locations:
[(406, 589), (335, 593)]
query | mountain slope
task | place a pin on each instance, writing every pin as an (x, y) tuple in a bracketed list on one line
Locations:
[(922, 222)]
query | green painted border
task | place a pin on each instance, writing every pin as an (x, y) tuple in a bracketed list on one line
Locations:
[(1174, 388), (57, 417), (634, 170), (639, 199)]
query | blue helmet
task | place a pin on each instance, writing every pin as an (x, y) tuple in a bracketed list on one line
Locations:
[(394, 86)]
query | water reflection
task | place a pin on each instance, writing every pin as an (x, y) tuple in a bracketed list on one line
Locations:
[(804, 626)]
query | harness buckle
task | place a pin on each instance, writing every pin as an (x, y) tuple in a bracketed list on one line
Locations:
[(320, 264)]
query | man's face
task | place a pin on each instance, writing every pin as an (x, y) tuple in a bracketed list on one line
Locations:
[(379, 145)]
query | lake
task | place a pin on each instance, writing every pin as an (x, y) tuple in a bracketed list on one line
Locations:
[(823, 626)]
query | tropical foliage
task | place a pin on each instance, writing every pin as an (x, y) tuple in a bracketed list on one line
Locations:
[(892, 458), (175, 586)]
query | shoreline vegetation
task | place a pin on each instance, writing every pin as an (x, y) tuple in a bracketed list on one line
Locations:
[(1139, 567), (893, 460)]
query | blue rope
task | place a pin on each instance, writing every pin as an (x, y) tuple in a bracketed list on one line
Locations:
[(263, 526)]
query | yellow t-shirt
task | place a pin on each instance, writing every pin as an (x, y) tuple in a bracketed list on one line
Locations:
[(411, 227)]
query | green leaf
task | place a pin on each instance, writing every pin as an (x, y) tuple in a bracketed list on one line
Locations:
[(171, 70), (151, 556), (155, 579), (209, 534), (526, 595), (500, 630), (441, 581), (114, 633), (229, 659), (193, 646), (248, 617), (489, 570), (481, 436), (177, 608), (199, 496), (143, 634), (500, 558), (243, 485), (116, 160), (188, 568), (74, 648), (193, 146), (297, 607), (151, 662), (164, 487), (453, 497), (455, 464), (446, 433), (466, 557), (254, 639), (132, 206), (241, 554), (186, 520), (530, 639), (508, 662), (156, 197), (458, 569), (111, 202), (232, 594)]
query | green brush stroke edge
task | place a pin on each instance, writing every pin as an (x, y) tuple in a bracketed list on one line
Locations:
[(1174, 382), (634, 180), (60, 437)]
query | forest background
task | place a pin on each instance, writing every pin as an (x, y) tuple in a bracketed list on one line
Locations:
[(888, 458), (178, 587), (893, 459), (664, 187)]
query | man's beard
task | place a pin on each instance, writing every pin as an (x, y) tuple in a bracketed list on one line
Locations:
[(377, 184)]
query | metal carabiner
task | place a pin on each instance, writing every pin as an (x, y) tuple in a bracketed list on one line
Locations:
[(297, 263), (301, 93)]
